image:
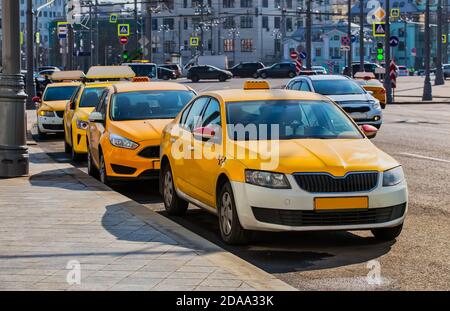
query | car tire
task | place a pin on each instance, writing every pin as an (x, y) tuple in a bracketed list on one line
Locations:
[(103, 175), (383, 106), (387, 234), (165, 77), (195, 78), (263, 75), (92, 170), (291, 74), (230, 227), (255, 75), (173, 204), (76, 157), (67, 147), (222, 78), (41, 135), (378, 126)]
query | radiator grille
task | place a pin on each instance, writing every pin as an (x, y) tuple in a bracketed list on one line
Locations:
[(352, 182)]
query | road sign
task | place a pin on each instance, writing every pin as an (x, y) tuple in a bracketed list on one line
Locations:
[(62, 29), (113, 18), (345, 41), (298, 65), (395, 12), (123, 30), (294, 55), (123, 40), (303, 55), (393, 74), (393, 41), (444, 39), (353, 38), (379, 29), (345, 48), (194, 41)]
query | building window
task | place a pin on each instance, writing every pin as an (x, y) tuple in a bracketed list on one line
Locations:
[(185, 3), (247, 45), (277, 4), (228, 4), (154, 24), (265, 3), (277, 46), (318, 52), (265, 22), (277, 22), (289, 24), (228, 45), (246, 3), (168, 46), (246, 21), (169, 22), (185, 23), (289, 4), (229, 22)]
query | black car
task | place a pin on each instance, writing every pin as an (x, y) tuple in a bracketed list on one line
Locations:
[(245, 70), (174, 67), (208, 72), (278, 70), (166, 74)]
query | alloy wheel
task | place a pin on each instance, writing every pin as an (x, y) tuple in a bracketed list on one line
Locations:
[(226, 213)]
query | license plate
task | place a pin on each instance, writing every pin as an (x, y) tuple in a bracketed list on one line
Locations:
[(324, 204), (358, 115)]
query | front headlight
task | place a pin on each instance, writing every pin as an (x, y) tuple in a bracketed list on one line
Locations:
[(47, 113), (122, 142), (82, 125), (393, 176), (267, 179), (375, 104)]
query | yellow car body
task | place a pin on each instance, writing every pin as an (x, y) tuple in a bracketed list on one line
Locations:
[(198, 171), (124, 133), (76, 116), (377, 89), (51, 108)]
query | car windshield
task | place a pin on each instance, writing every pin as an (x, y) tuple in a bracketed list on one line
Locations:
[(144, 70), (142, 105), (337, 87), (59, 93), (91, 96), (288, 119)]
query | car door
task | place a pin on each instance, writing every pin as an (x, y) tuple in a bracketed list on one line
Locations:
[(96, 129), (212, 73), (274, 71), (69, 112), (208, 154), (181, 166)]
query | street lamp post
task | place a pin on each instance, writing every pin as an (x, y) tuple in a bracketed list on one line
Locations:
[(361, 36), (13, 146), (234, 33), (349, 31), (308, 35), (387, 52), (29, 54), (439, 79), (427, 92)]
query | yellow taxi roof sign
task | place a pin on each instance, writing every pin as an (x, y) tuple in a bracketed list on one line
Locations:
[(364, 75), (110, 72), (256, 85), (69, 75), (141, 79)]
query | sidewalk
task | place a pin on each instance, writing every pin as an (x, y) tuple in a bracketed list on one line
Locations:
[(59, 216), (410, 90)]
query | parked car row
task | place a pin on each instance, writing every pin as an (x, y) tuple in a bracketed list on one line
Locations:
[(325, 174)]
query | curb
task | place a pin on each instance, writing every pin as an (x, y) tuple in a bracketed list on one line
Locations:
[(243, 270)]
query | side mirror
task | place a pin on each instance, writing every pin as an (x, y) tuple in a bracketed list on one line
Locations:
[(369, 130), (71, 105), (204, 133), (370, 92), (36, 99), (96, 117)]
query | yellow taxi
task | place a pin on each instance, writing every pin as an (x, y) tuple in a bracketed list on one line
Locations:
[(50, 109), (84, 101), (124, 130), (368, 82), (279, 160)]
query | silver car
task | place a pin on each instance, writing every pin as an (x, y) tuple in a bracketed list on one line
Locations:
[(357, 102), (446, 69)]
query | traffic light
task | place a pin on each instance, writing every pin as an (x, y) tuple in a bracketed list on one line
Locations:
[(380, 51), (125, 56)]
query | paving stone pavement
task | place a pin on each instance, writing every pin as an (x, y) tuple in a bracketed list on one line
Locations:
[(59, 219)]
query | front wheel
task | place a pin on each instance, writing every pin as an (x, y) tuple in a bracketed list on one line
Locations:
[(387, 234), (255, 75), (264, 75), (222, 78), (41, 135), (291, 74), (230, 227), (103, 174), (195, 79), (173, 204), (92, 170), (165, 77)]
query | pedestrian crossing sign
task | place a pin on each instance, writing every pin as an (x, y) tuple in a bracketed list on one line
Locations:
[(379, 29), (395, 13), (123, 30), (444, 39), (194, 41), (113, 18)]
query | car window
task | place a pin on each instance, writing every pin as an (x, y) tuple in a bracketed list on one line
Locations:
[(296, 85), (305, 87), (76, 95), (195, 112), (101, 107), (211, 118), (288, 119), (59, 93), (144, 70), (91, 97), (337, 87)]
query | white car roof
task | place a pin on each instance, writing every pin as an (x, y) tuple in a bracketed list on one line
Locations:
[(325, 77)]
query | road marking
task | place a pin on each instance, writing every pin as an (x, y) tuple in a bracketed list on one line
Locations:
[(418, 156)]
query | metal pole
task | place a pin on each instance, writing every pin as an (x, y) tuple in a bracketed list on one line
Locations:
[(387, 56), (36, 45), (439, 78), (13, 144), (136, 28), (29, 54), (361, 35), (427, 92), (70, 47), (445, 30), (308, 35), (91, 25), (349, 33), (97, 37)]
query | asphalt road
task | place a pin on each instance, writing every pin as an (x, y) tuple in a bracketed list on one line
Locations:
[(417, 136)]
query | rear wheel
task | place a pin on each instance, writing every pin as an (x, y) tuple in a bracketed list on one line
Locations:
[(172, 202), (222, 78), (387, 234), (67, 147), (255, 75), (195, 78), (92, 170), (165, 77), (291, 74), (231, 230), (263, 75)]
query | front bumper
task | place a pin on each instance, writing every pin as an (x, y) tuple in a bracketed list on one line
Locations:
[(50, 124), (258, 207), (79, 140)]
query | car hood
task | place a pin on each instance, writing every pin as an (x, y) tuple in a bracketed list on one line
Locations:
[(139, 130), (56, 105), (83, 113), (335, 156), (350, 97)]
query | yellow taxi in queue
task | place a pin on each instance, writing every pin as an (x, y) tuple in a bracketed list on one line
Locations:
[(124, 130), (279, 160), (368, 82), (50, 109), (83, 102)]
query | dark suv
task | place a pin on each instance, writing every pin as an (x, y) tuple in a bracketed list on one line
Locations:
[(208, 72), (245, 70), (278, 70)]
